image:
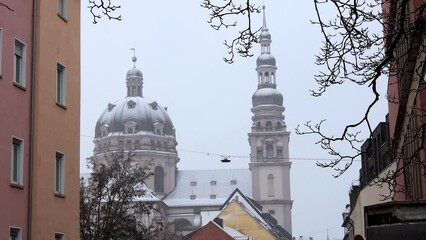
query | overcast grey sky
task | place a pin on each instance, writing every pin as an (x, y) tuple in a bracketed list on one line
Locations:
[(209, 101)]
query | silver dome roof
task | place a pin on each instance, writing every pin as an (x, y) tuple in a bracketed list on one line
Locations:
[(265, 35), (267, 96), (134, 72), (266, 59), (142, 111)]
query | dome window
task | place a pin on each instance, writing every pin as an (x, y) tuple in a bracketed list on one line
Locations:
[(104, 130), (192, 196), (131, 104), (154, 105), (193, 183), (212, 182), (130, 127), (110, 106), (234, 182), (158, 128), (212, 196)]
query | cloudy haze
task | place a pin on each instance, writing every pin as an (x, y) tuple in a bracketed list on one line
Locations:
[(209, 101)]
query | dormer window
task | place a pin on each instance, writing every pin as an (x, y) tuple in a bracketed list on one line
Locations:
[(131, 104), (158, 128), (130, 127), (104, 130), (154, 105), (110, 106)]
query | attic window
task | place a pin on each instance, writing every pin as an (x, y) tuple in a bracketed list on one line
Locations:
[(271, 211), (110, 106), (212, 182), (233, 182), (212, 196), (192, 196), (193, 183), (131, 104), (154, 105)]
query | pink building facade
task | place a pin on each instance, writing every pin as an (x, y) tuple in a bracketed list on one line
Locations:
[(15, 116), (39, 121)]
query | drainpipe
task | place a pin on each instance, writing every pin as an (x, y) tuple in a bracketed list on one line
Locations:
[(33, 54)]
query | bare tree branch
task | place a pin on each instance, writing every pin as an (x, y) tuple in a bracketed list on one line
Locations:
[(6, 6), (223, 16), (99, 8)]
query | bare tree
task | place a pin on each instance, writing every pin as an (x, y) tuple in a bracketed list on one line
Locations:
[(354, 53), (115, 203)]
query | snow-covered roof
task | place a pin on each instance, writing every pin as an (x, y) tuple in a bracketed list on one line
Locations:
[(149, 195), (207, 187)]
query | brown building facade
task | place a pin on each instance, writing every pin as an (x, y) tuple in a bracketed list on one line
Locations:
[(55, 206)]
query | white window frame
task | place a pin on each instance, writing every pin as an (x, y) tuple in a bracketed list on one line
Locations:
[(61, 84), (19, 45), (18, 230), (19, 162), (59, 184), (62, 8), (130, 127)]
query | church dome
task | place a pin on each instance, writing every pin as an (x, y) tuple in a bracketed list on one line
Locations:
[(142, 114), (265, 59), (134, 72), (267, 96), (265, 35)]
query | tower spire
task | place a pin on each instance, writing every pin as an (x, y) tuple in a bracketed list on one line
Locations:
[(265, 62), (264, 28), (134, 59)]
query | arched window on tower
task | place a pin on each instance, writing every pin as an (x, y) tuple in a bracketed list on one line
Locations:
[(270, 185), (159, 179), (279, 127), (266, 77), (269, 150), (268, 126)]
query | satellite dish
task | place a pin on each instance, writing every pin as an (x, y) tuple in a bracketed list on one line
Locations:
[(225, 160)]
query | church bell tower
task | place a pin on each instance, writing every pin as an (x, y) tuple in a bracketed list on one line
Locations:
[(269, 139)]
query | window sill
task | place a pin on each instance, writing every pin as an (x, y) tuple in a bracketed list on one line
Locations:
[(62, 17), (59, 195), (61, 105), (20, 86), (17, 185)]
